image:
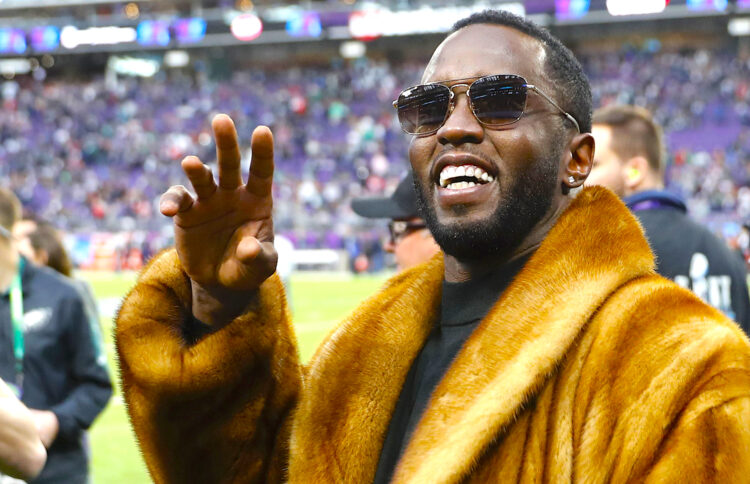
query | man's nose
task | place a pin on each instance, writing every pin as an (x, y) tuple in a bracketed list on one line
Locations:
[(461, 126)]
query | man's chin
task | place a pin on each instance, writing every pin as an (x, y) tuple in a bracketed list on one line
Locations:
[(470, 240)]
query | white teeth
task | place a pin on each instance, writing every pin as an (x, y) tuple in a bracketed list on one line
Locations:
[(449, 173)]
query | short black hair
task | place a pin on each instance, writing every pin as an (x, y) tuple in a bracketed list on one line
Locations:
[(565, 72)]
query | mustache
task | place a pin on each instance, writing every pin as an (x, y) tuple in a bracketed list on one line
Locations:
[(468, 149)]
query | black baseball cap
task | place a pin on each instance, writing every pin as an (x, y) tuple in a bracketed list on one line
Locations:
[(402, 204)]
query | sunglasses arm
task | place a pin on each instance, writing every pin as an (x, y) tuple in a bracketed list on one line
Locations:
[(565, 113)]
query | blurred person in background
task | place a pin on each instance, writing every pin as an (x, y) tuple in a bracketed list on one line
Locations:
[(410, 241), (50, 357), (629, 160), (22, 454), (540, 344), (42, 244)]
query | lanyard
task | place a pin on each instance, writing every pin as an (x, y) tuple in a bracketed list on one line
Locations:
[(16, 316)]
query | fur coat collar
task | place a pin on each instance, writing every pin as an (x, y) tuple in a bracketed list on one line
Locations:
[(354, 379)]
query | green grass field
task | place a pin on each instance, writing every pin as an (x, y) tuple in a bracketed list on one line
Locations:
[(319, 301)]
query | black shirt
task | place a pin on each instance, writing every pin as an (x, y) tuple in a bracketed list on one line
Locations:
[(463, 306), (692, 255)]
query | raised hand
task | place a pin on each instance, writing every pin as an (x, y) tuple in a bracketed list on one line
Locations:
[(224, 235)]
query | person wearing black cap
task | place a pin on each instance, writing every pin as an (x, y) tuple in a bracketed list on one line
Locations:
[(410, 241)]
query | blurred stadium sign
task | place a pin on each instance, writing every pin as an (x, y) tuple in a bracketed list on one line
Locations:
[(12, 41), (739, 26), (153, 32), (718, 5), (246, 27), (45, 39), (635, 7), (304, 24), (23, 4), (571, 9), (370, 24), (189, 30), (71, 37)]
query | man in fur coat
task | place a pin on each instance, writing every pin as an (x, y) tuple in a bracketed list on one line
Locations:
[(540, 346)]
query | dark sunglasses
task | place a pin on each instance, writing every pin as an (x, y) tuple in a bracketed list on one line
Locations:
[(497, 100), (399, 229)]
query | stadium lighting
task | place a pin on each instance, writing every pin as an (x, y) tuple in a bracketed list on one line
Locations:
[(176, 58), (739, 26), (15, 66), (352, 49), (246, 27), (635, 7), (131, 66)]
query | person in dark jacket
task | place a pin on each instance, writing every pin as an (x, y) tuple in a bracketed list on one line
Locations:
[(629, 160), (50, 357)]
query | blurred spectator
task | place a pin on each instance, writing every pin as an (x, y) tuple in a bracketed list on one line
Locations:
[(410, 240), (111, 149), (42, 244), (54, 363), (629, 160)]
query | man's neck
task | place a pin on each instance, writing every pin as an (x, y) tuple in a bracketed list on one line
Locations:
[(464, 270), (8, 265), (648, 184)]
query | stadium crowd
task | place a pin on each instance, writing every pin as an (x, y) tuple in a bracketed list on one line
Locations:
[(94, 156)]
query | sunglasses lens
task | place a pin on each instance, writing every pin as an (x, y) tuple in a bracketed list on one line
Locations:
[(422, 109), (499, 100)]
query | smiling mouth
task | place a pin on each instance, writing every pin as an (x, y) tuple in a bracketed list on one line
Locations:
[(464, 176)]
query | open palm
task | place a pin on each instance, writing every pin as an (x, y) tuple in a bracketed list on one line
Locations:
[(224, 234)]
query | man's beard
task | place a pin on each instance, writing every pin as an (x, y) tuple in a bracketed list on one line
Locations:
[(529, 199)]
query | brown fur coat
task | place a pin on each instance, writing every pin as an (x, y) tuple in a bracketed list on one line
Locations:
[(590, 368)]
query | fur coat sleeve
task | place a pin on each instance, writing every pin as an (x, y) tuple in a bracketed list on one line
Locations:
[(215, 410)]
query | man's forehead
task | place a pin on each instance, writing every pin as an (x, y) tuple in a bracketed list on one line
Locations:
[(483, 49)]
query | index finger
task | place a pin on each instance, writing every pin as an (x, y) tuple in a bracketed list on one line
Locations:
[(261, 164), (227, 152)]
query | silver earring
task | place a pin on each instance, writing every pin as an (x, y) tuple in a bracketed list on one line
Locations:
[(571, 179)]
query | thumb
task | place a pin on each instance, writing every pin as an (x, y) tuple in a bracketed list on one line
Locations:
[(262, 255), (248, 249)]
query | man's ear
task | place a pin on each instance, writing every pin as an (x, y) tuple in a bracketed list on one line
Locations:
[(581, 160), (636, 170)]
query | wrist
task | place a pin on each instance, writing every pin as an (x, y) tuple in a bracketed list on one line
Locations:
[(217, 306)]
